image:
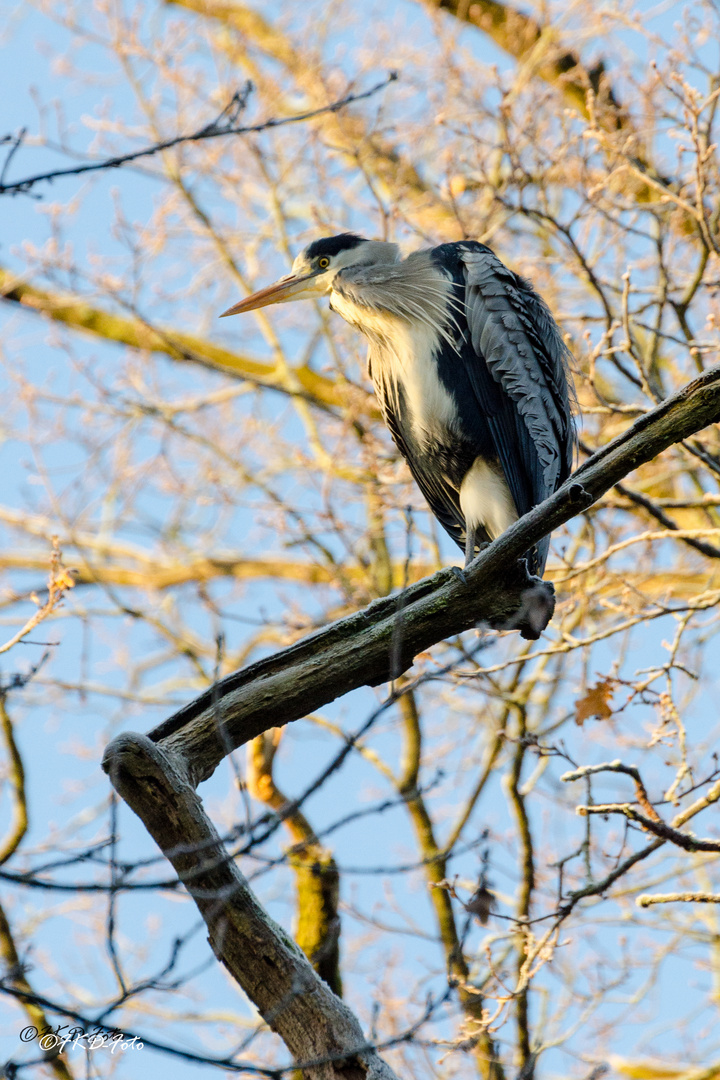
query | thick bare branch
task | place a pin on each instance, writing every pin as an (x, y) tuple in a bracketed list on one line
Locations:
[(318, 1029), (207, 522), (379, 643), (147, 570), (317, 882), (436, 861), (369, 647)]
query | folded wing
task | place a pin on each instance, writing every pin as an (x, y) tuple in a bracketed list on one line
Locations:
[(517, 344)]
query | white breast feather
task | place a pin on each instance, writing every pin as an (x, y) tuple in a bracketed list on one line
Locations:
[(402, 355)]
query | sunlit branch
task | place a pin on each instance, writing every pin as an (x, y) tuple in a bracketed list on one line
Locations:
[(486, 1056), (75, 313), (19, 822), (316, 876), (16, 978), (648, 899)]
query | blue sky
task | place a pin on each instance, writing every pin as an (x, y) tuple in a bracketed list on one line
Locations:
[(63, 738)]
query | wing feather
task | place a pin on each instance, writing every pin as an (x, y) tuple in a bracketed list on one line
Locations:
[(512, 329), (518, 345), (512, 395)]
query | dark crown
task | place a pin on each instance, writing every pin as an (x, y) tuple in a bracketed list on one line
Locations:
[(333, 245)]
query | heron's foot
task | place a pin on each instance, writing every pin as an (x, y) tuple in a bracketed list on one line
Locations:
[(459, 574)]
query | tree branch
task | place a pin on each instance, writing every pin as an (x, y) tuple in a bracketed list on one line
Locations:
[(317, 882), (74, 312), (648, 899), (658, 828), (156, 774), (146, 570), (17, 978), (435, 860), (380, 642), (317, 1027), (524, 38), (588, 90), (650, 821), (224, 124), (19, 820)]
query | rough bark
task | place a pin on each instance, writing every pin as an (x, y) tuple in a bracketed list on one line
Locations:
[(156, 774), (318, 1029), (380, 642)]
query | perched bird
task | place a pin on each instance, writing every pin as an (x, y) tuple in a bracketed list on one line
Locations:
[(469, 368)]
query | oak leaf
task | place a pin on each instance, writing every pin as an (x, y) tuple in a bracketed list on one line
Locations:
[(595, 702)]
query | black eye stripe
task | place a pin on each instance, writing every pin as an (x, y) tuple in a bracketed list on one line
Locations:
[(328, 246)]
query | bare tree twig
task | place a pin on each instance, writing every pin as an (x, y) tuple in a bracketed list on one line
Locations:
[(59, 581), (648, 899), (619, 767), (650, 821), (19, 822), (659, 828), (224, 124)]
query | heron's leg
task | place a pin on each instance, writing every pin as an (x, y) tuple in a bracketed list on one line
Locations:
[(480, 548), (469, 545)]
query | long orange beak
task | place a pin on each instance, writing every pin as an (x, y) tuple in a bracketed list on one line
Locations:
[(284, 289)]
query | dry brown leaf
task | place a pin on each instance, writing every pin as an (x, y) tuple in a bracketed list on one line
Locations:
[(595, 702), (480, 904)]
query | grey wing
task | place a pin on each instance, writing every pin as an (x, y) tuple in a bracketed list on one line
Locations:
[(512, 330)]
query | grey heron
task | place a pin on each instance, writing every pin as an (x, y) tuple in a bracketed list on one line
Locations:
[(469, 368)]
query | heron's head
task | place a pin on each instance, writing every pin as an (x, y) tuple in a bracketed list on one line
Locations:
[(314, 270)]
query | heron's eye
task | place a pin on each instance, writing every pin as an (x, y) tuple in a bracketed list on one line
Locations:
[(322, 263)]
